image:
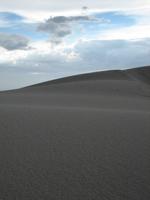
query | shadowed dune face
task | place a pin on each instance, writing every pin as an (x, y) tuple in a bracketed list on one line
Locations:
[(82, 137), (142, 74)]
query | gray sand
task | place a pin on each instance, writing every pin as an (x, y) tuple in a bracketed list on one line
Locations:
[(85, 137)]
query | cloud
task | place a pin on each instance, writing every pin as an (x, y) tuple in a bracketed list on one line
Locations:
[(61, 26), (114, 54), (13, 42), (127, 33), (84, 56), (93, 55), (37, 65)]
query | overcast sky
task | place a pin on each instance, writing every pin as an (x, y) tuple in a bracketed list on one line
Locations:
[(44, 39)]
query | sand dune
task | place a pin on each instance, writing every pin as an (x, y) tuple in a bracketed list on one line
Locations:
[(83, 137)]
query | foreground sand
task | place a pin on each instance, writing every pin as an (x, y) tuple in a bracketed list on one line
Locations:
[(79, 138)]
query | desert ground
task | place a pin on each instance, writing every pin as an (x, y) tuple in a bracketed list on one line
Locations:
[(84, 137)]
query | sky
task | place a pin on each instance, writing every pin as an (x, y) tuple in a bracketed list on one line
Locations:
[(45, 39)]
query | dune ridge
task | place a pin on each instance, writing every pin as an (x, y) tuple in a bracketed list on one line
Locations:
[(143, 72)]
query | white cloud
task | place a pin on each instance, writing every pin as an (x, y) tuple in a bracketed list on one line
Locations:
[(127, 33), (58, 5), (11, 57), (84, 56)]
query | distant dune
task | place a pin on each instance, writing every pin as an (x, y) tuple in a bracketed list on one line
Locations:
[(84, 137)]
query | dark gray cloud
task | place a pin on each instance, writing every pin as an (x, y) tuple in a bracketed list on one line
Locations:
[(61, 26), (64, 19), (13, 42)]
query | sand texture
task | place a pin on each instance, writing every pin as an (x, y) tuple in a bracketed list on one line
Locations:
[(84, 137)]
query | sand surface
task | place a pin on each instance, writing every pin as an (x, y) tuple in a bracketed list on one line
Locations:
[(85, 137)]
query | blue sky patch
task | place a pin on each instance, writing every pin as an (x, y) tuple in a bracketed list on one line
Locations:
[(112, 20), (15, 24), (117, 19)]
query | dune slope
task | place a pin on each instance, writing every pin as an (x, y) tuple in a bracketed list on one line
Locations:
[(82, 137)]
